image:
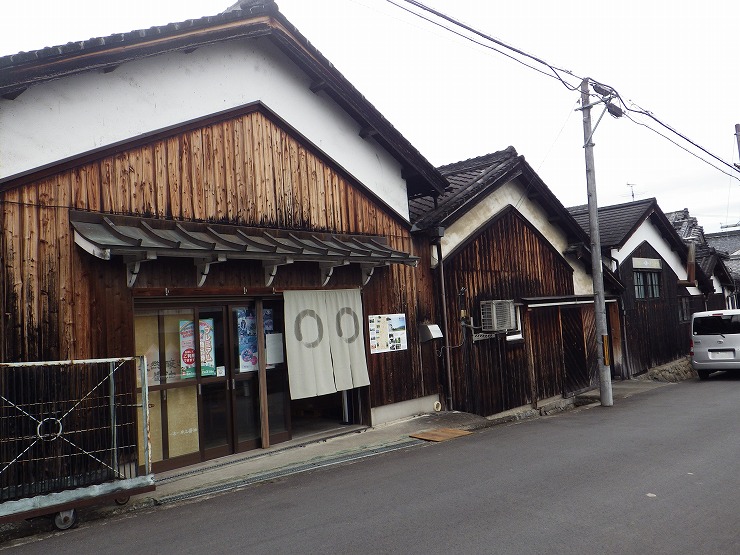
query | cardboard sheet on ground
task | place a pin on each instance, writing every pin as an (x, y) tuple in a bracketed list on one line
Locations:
[(441, 434)]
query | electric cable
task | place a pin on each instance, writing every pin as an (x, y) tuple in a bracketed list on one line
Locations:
[(556, 74), (555, 70)]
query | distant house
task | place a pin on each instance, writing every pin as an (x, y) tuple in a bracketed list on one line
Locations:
[(662, 286), (514, 277), (727, 242), (708, 258), (215, 195)]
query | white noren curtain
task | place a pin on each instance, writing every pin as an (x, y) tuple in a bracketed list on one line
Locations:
[(324, 341)]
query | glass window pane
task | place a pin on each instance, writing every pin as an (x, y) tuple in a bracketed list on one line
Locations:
[(179, 345), (215, 425), (278, 405), (146, 343), (155, 427), (182, 421)]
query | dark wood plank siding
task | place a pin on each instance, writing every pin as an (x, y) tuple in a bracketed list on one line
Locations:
[(577, 371), (509, 259), (653, 332), (248, 170)]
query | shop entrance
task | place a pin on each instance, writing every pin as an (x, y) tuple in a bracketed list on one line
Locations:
[(221, 386)]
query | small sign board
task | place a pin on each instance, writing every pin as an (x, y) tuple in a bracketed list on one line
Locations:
[(646, 263)]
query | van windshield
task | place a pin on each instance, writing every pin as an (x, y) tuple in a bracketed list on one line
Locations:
[(717, 325)]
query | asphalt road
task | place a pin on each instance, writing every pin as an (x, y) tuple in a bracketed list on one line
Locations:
[(656, 473)]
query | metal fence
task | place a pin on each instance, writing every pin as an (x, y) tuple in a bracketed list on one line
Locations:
[(66, 425)]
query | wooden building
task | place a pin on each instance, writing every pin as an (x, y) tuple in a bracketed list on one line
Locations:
[(504, 242), (709, 259), (726, 243), (215, 195), (663, 287)]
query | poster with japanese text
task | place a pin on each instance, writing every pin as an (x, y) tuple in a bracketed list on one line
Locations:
[(387, 332), (207, 348)]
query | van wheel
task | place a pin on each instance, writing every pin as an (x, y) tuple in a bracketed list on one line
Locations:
[(703, 374)]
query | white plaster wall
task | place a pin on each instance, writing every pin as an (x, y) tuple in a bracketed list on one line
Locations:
[(59, 119), (512, 193), (648, 232)]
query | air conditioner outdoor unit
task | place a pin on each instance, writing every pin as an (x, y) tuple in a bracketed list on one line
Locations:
[(498, 315)]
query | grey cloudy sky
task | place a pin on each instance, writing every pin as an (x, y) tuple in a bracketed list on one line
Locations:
[(455, 100)]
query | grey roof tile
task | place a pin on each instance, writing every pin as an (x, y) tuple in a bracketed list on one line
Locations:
[(616, 222)]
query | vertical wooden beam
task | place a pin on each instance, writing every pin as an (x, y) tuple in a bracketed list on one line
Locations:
[(305, 187), (221, 208), (174, 178), (186, 177), (198, 174), (66, 276), (229, 169), (146, 179), (209, 175), (160, 184), (30, 295), (289, 179)]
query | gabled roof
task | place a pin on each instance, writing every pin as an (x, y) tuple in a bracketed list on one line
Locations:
[(469, 181), (254, 18), (617, 223), (687, 226), (709, 259)]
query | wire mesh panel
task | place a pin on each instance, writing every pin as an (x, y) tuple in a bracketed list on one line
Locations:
[(66, 425)]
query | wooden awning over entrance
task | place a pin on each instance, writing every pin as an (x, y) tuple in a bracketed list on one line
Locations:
[(138, 240)]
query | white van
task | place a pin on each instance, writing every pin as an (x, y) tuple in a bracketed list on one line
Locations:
[(715, 341)]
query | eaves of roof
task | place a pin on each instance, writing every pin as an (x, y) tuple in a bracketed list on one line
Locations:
[(472, 180), (256, 19)]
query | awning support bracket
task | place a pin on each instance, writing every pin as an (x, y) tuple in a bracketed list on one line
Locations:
[(133, 265), (327, 269), (367, 272), (203, 266), (271, 267)]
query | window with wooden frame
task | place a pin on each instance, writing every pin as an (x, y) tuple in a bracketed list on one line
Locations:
[(684, 309), (647, 284)]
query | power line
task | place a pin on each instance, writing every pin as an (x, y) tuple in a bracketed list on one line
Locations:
[(556, 74), (488, 46)]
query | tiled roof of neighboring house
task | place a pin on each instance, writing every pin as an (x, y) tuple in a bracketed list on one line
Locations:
[(710, 259), (246, 19), (471, 181), (617, 222), (461, 178), (733, 266), (686, 225), (727, 241)]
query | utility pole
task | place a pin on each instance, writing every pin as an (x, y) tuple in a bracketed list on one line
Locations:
[(602, 338)]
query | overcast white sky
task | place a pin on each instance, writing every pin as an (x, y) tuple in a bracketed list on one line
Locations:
[(455, 100)]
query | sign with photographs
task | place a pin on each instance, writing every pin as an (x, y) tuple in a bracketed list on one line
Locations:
[(387, 333)]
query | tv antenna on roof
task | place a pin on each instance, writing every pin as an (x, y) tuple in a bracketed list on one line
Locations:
[(632, 190)]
